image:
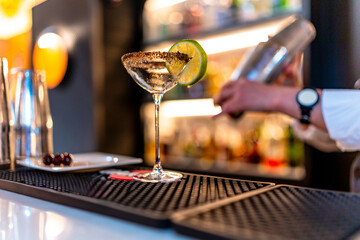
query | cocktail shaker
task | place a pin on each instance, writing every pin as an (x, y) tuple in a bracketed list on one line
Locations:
[(6, 120), (267, 60), (33, 121)]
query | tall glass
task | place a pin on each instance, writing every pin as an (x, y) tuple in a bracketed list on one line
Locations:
[(33, 121), (149, 70)]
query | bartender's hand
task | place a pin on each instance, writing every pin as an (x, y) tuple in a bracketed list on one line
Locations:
[(244, 95), (241, 95)]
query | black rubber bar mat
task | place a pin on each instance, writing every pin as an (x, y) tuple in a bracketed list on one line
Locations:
[(146, 203), (283, 212)]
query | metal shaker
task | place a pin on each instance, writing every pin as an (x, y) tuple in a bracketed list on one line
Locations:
[(267, 60), (33, 121), (6, 120)]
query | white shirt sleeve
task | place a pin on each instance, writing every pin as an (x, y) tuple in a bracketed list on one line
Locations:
[(341, 111)]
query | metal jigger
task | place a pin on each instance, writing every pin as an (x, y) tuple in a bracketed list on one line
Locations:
[(7, 157), (34, 125)]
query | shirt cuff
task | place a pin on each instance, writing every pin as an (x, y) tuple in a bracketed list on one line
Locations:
[(341, 111)]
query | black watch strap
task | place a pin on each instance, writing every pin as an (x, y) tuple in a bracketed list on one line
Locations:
[(305, 115)]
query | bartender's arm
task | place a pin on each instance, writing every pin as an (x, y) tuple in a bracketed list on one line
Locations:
[(241, 95), (337, 111)]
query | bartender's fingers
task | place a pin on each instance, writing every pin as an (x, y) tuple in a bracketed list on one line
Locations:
[(218, 115), (226, 106), (226, 91), (229, 85), (223, 96), (232, 105)]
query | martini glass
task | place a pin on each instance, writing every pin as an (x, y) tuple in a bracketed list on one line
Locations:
[(149, 70)]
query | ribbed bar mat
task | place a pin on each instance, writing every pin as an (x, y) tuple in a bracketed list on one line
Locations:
[(283, 212), (147, 203)]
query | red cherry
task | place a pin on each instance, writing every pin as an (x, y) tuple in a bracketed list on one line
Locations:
[(67, 159), (58, 159), (48, 159)]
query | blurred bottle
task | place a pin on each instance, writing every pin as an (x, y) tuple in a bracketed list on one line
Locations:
[(254, 154), (280, 5), (264, 8), (210, 150), (295, 149)]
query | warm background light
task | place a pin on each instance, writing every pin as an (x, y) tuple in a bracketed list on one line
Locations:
[(15, 18), (50, 55), (15, 31), (234, 40), (186, 108)]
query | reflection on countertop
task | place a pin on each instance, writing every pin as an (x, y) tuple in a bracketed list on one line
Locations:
[(26, 218)]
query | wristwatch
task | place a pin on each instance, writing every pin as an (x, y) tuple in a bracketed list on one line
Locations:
[(307, 98)]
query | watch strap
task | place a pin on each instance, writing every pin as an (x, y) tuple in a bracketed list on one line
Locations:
[(305, 115)]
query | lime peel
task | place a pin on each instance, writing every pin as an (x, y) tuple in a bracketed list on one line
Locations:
[(194, 70)]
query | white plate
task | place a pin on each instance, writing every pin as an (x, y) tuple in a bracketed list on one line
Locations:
[(83, 161)]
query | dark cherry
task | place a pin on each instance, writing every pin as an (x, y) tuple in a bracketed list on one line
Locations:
[(67, 159), (48, 159), (58, 159)]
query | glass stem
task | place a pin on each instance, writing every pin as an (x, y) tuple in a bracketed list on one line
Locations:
[(157, 167)]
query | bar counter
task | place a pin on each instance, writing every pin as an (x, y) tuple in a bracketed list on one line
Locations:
[(27, 218), (97, 206)]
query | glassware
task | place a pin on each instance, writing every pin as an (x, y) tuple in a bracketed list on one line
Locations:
[(33, 121), (149, 70), (6, 119)]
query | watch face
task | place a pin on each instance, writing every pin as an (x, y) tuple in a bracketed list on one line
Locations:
[(308, 97)]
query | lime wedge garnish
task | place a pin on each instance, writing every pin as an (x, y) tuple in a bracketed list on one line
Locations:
[(195, 69)]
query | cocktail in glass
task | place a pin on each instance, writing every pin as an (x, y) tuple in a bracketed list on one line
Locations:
[(150, 71)]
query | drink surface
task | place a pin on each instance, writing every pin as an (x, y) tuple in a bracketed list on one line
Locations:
[(149, 69), (153, 77)]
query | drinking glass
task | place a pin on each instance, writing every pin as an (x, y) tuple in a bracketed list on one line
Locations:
[(6, 119), (33, 121), (149, 70)]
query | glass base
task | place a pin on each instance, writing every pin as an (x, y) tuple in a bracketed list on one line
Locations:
[(165, 176)]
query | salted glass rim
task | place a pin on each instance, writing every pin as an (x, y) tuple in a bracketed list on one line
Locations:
[(140, 57)]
